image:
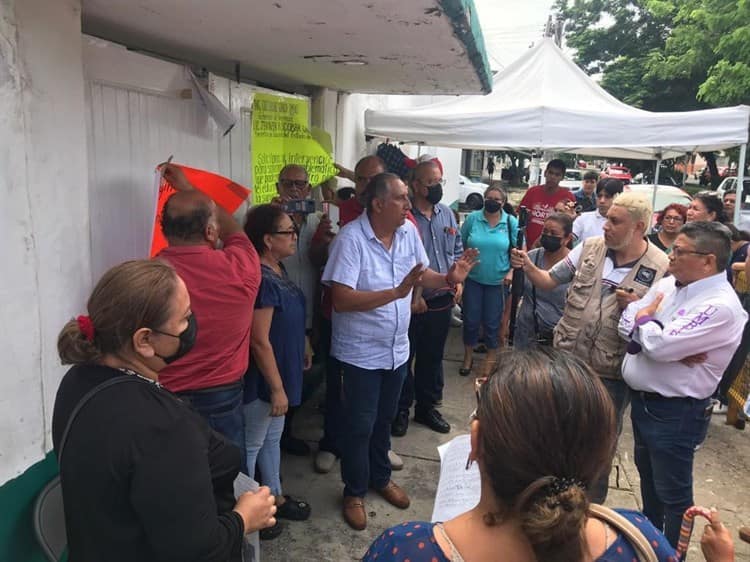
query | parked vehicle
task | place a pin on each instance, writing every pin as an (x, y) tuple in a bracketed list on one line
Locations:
[(471, 193), (573, 179), (665, 195), (618, 172), (730, 183)]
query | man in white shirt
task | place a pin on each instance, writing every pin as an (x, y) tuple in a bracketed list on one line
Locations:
[(591, 224), (682, 335), (374, 263)]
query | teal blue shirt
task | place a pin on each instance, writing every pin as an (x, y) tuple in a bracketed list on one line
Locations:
[(493, 244)]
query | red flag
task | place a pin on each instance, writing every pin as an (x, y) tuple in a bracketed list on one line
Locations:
[(227, 194)]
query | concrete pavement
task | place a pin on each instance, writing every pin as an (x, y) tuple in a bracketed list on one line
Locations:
[(722, 479)]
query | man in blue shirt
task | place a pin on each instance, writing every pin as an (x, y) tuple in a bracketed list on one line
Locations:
[(374, 263), (431, 309)]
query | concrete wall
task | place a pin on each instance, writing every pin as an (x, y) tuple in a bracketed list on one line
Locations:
[(44, 215)]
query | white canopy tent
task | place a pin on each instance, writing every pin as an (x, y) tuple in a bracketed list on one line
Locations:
[(544, 102)]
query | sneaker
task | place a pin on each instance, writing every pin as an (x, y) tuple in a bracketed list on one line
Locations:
[(324, 462), (397, 462), (400, 424), (270, 533), (720, 408)]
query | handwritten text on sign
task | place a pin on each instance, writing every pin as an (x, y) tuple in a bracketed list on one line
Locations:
[(281, 137)]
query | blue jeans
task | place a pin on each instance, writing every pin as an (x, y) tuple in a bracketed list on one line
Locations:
[(620, 395), (370, 401), (263, 443), (666, 432), (482, 305), (221, 406), (428, 333), (333, 417)]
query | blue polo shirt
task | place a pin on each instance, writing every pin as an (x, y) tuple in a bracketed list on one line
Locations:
[(493, 243), (442, 241)]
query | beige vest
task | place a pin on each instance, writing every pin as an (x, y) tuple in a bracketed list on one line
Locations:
[(588, 327)]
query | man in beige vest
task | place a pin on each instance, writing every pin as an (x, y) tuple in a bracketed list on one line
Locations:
[(605, 275)]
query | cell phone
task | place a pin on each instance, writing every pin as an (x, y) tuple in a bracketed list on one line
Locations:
[(300, 206)]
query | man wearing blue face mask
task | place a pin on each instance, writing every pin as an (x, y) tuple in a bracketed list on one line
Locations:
[(222, 285), (431, 309)]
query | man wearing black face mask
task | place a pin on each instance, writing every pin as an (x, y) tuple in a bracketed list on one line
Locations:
[(431, 309), (222, 285)]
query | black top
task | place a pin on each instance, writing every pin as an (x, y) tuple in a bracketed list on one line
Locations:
[(654, 239), (143, 477)]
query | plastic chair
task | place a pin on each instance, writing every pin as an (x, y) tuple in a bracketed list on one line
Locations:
[(49, 521)]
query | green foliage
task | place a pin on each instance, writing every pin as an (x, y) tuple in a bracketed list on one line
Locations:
[(664, 55)]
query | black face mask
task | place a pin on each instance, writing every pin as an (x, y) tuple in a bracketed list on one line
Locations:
[(492, 206), (186, 337), (551, 243), (434, 193)]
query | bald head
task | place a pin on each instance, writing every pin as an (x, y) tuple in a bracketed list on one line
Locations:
[(366, 169), (187, 217)]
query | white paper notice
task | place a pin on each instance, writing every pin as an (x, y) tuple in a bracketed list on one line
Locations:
[(458, 489), (251, 546)]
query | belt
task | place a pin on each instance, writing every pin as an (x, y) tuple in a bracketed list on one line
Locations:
[(657, 396), (230, 386)]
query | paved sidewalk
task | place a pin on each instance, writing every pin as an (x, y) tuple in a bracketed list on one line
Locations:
[(722, 479)]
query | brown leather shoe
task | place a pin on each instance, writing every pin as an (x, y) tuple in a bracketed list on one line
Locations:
[(354, 512), (394, 495)]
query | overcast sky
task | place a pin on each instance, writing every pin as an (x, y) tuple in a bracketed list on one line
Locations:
[(510, 26)]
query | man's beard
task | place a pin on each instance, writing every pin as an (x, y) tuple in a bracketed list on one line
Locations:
[(621, 246)]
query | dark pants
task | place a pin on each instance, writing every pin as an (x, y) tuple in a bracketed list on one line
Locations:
[(221, 406), (666, 432), (428, 333), (333, 418), (620, 395), (370, 401)]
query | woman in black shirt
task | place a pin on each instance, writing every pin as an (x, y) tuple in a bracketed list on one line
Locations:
[(143, 476)]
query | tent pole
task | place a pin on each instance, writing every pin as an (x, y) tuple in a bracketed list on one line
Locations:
[(740, 184), (656, 185)]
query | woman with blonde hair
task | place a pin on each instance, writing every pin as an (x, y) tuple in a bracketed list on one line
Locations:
[(143, 475)]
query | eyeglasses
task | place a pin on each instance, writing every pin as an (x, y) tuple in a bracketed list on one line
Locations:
[(289, 232), (677, 252), (293, 183), (441, 182), (676, 218)]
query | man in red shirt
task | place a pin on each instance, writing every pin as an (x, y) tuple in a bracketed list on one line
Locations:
[(222, 284), (540, 200)]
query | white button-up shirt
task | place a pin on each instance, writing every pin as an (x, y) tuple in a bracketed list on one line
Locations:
[(588, 225), (378, 338), (702, 317)]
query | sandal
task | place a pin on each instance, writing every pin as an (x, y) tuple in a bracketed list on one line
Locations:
[(294, 510), (464, 371), (270, 533)]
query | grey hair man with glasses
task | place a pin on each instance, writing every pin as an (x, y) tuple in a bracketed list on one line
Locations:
[(682, 335), (313, 237), (431, 309)]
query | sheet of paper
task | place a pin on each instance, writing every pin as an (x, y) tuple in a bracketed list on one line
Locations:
[(251, 547), (458, 489)]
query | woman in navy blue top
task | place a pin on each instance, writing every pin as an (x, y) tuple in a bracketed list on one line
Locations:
[(278, 355), (544, 429)]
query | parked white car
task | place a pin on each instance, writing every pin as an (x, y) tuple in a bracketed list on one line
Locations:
[(572, 180), (471, 193), (731, 183)]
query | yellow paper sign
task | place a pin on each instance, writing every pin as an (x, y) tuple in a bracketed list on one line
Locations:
[(280, 136)]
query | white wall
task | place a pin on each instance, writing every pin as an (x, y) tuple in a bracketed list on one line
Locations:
[(43, 215), (137, 117)]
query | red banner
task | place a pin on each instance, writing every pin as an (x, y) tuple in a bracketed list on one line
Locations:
[(227, 194)]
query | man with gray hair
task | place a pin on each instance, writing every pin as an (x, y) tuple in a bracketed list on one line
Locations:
[(682, 335), (374, 263), (605, 273)]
